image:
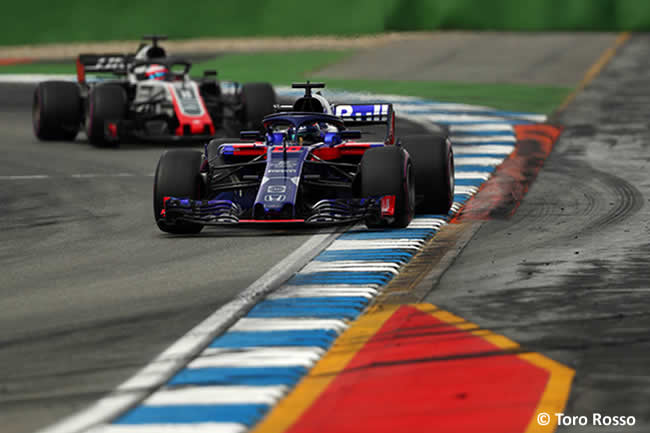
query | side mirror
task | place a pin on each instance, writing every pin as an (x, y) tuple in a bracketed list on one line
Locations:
[(251, 135), (347, 135)]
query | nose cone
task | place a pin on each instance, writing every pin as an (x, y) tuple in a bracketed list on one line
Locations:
[(282, 211)]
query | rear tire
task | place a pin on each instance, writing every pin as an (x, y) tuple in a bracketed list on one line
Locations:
[(106, 103), (258, 100), (56, 110), (388, 171), (177, 175), (433, 163)]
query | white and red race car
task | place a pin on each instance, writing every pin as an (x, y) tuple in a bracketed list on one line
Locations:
[(149, 96)]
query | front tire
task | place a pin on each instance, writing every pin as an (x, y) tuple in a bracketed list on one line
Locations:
[(389, 171), (56, 110), (433, 163), (177, 175), (106, 103)]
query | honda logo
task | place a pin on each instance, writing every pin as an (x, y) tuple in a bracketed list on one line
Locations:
[(275, 197)]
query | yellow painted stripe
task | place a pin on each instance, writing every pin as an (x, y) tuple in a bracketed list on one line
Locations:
[(557, 389), (555, 394), (314, 383), (595, 69)]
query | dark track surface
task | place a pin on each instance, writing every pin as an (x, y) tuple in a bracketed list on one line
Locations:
[(569, 274), (91, 290)]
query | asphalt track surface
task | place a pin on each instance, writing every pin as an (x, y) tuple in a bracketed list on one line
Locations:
[(568, 275), (558, 59), (91, 290)]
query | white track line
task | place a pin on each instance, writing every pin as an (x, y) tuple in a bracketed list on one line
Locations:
[(460, 161), (472, 175), (213, 395), (258, 357), (485, 127), (323, 290), (274, 324), (468, 139), (204, 427), (71, 176), (94, 175), (353, 244), (26, 177), (350, 266), (488, 149)]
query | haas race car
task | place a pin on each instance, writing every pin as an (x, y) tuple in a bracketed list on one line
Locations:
[(149, 97), (305, 166)]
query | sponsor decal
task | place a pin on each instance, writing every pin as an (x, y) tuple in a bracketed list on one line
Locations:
[(289, 149), (108, 63), (372, 112), (276, 189)]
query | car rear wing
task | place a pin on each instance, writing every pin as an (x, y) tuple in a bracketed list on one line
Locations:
[(102, 63), (368, 114)]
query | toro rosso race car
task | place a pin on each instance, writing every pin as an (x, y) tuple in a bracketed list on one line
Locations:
[(149, 97), (305, 166)]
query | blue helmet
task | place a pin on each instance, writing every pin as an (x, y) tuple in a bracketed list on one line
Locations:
[(308, 134)]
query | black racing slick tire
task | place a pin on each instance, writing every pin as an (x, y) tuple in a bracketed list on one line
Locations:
[(106, 103), (56, 110), (433, 162), (177, 175), (258, 100), (389, 171)]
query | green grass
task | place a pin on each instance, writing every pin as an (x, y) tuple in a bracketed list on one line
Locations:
[(277, 68), (510, 97), (283, 68)]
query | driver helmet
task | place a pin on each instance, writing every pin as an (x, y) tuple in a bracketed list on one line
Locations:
[(309, 134), (156, 72)]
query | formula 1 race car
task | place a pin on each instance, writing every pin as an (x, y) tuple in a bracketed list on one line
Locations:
[(150, 97), (305, 166)]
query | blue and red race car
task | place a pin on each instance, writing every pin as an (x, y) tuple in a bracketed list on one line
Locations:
[(305, 166)]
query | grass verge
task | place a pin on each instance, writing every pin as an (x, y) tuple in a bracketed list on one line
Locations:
[(509, 97)]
